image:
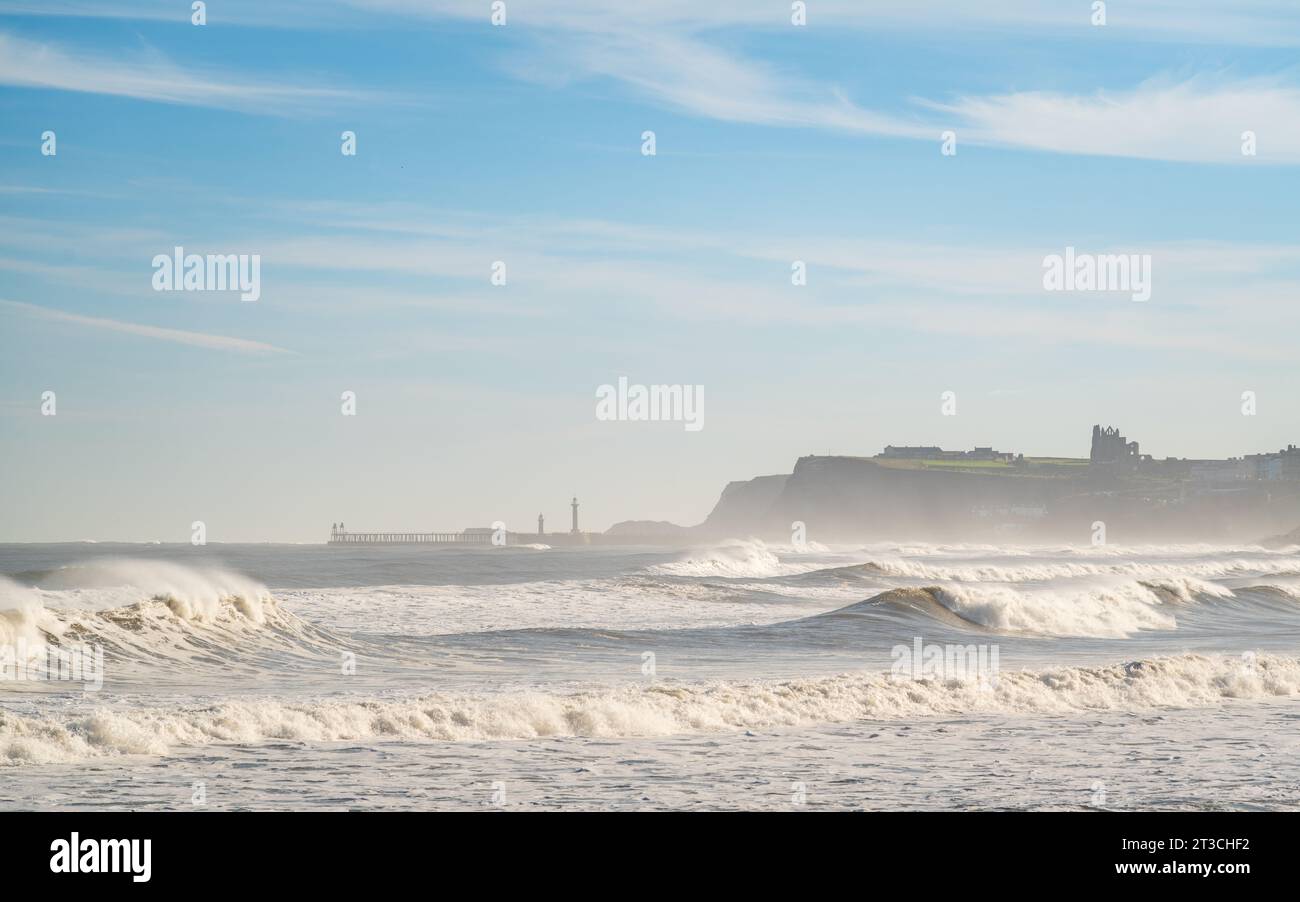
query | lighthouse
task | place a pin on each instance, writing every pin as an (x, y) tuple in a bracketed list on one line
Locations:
[(575, 516), (541, 525)]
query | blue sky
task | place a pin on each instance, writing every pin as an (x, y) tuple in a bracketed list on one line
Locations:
[(522, 143)]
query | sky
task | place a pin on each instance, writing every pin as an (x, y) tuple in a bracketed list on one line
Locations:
[(522, 143)]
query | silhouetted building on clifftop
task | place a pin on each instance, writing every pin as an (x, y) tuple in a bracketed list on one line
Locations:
[(1109, 447)]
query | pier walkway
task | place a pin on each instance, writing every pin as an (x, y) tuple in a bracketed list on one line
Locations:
[(474, 537)]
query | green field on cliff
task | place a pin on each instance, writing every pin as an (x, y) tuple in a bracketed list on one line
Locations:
[(1031, 465)]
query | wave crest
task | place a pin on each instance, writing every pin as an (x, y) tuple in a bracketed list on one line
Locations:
[(654, 710), (153, 617), (732, 558), (1106, 612)]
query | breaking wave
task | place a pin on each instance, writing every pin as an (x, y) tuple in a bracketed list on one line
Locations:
[(23, 619), (1104, 612), (112, 582), (646, 711), (1055, 570), (155, 614), (1113, 612), (732, 558)]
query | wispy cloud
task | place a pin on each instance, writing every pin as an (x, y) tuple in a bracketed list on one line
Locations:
[(177, 336), (1246, 22), (251, 13), (1242, 22), (688, 74), (408, 255), (1200, 119), (33, 64), (673, 54)]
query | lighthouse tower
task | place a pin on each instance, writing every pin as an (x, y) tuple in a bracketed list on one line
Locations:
[(575, 516), (541, 525)]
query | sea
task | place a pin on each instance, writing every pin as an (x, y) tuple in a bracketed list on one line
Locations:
[(733, 675)]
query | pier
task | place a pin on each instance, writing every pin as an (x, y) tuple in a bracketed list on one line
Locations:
[(340, 536), (472, 536)]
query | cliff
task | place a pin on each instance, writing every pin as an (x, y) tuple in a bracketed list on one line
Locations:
[(862, 498), (743, 507), (865, 499)]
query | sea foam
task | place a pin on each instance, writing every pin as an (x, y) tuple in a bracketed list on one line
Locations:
[(657, 709)]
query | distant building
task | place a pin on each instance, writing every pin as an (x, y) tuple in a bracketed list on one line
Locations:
[(1220, 471), (1285, 464), (989, 454), (1109, 447), (924, 451)]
